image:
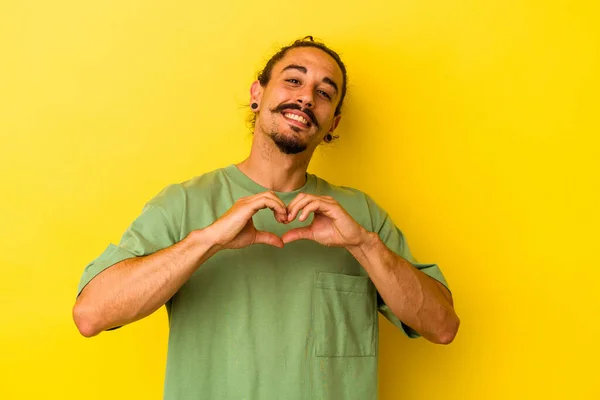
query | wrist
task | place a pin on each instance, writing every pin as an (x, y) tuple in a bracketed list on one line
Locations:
[(367, 241), (204, 238), (367, 250)]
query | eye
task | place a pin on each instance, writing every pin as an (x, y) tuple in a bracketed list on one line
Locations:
[(294, 81), (324, 94)]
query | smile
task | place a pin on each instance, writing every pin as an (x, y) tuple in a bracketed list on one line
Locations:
[(296, 118)]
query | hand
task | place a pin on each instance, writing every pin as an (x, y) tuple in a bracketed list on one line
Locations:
[(235, 229), (332, 225)]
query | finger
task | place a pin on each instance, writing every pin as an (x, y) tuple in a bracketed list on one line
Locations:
[(268, 238), (280, 212), (296, 199), (297, 234), (331, 209), (271, 194), (268, 194), (316, 205), (293, 209), (324, 207), (268, 202)]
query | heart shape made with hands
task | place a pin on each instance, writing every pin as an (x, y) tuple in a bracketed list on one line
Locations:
[(287, 223), (331, 225)]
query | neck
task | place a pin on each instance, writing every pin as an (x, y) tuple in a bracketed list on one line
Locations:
[(269, 167)]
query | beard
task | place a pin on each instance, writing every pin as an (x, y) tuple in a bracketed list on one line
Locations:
[(288, 144), (295, 142)]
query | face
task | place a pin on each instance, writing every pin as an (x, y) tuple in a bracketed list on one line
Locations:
[(296, 108)]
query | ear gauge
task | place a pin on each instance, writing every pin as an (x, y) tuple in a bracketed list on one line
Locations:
[(328, 138), (254, 106)]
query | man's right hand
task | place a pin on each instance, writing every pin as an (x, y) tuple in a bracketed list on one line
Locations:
[(136, 287), (235, 229)]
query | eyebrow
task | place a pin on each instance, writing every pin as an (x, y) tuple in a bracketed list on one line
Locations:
[(302, 69)]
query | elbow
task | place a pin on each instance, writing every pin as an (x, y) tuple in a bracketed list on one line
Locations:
[(447, 335), (84, 320)]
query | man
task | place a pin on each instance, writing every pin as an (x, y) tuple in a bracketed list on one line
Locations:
[(254, 311)]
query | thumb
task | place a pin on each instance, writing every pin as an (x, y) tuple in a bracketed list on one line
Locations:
[(268, 238), (297, 234)]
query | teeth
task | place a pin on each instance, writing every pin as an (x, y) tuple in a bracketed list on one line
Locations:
[(296, 117)]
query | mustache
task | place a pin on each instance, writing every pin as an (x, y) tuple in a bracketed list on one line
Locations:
[(294, 106)]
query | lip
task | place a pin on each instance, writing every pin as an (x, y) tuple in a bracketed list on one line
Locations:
[(300, 114)]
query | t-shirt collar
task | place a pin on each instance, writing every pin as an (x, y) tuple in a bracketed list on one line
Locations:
[(241, 179)]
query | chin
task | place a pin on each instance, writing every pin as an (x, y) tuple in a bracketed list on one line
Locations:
[(288, 143), (288, 138)]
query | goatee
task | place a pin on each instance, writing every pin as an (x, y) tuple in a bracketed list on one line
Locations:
[(288, 144)]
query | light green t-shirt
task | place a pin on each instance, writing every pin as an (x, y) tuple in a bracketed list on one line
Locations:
[(263, 323)]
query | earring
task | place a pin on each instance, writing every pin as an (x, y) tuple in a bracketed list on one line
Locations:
[(254, 106), (328, 138)]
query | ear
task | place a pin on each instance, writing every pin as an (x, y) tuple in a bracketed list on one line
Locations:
[(336, 121), (256, 91)]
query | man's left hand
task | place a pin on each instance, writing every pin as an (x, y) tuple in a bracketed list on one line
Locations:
[(331, 226)]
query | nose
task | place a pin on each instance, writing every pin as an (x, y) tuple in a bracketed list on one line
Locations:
[(305, 98)]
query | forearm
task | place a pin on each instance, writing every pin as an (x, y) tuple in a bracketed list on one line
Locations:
[(134, 288), (415, 298)]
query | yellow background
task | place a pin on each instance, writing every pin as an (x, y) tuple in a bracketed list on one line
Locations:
[(474, 123)]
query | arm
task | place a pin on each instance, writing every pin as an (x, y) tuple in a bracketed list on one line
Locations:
[(415, 298), (136, 287)]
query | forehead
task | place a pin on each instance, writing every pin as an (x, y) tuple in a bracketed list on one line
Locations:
[(315, 60)]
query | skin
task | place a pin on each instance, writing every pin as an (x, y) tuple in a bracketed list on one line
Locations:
[(267, 165), (304, 80)]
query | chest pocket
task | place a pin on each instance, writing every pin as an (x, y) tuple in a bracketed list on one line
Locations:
[(344, 315)]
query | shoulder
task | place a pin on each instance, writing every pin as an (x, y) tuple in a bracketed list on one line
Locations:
[(325, 188), (173, 197), (345, 194)]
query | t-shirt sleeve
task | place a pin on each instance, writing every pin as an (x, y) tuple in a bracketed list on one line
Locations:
[(394, 239), (156, 228)]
